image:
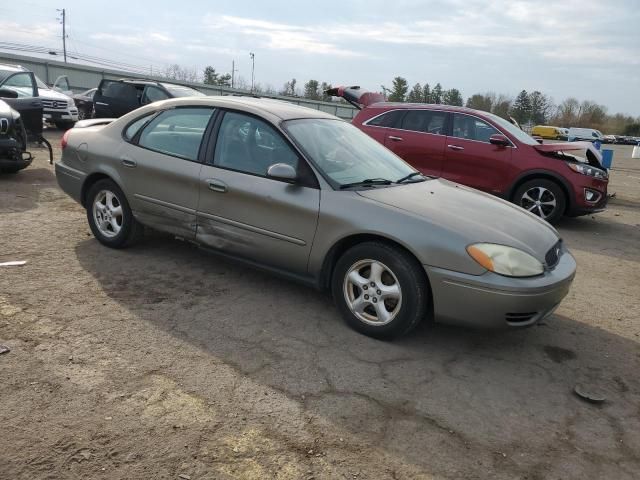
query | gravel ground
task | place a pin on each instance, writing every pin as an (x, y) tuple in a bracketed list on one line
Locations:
[(162, 361)]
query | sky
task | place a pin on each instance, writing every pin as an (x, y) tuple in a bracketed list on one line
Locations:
[(587, 49)]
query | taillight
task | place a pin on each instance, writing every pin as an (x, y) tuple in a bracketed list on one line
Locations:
[(63, 142)]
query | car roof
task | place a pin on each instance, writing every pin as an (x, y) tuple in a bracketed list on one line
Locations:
[(12, 68), (422, 106), (266, 107)]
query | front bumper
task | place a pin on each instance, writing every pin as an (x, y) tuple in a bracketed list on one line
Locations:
[(70, 115), (495, 301)]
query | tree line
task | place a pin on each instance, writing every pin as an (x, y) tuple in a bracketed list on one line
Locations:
[(528, 108)]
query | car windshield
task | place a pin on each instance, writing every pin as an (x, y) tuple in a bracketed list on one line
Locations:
[(344, 154), (520, 135), (182, 91)]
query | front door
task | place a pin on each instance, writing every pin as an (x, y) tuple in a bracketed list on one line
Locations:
[(419, 140), (160, 168), (244, 213), (114, 99), (471, 160), (62, 85)]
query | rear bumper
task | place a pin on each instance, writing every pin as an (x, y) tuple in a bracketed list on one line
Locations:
[(495, 301), (14, 163), (70, 181)]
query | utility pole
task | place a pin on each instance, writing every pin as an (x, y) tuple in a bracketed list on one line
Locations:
[(64, 33), (253, 64), (233, 72)]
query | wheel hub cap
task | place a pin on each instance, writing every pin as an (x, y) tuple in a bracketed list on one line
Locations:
[(539, 201), (108, 213)]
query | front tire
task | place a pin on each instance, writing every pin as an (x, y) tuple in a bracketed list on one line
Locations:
[(110, 216), (380, 290), (543, 198)]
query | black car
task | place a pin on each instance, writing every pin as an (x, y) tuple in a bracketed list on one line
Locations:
[(13, 137), (115, 98), (84, 102)]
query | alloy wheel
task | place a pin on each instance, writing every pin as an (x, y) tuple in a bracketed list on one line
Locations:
[(372, 292), (108, 213), (540, 201)]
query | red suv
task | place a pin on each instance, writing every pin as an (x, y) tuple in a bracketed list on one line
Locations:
[(487, 152)]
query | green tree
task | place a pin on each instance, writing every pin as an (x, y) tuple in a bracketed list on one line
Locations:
[(521, 109), (501, 105), (399, 90), (437, 94), (426, 93), (211, 77), (541, 108), (453, 97), (289, 88), (479, 101), (312, 90), (323, 89), (415, 95)]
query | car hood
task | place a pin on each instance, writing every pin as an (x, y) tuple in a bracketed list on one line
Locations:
[(593, 155), (471, 215), (49, 94)]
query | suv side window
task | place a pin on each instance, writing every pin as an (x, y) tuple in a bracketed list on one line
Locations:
[(153, 94), (177, 132), (424, 121), (121, 90), (390, 119), (250, 145), (22, 83), (472, 128)]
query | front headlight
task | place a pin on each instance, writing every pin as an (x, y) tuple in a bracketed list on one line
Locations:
[(587, 170), (505, 260)]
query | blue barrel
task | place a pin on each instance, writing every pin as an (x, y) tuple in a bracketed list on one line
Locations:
[(607, 158), (597, 144)]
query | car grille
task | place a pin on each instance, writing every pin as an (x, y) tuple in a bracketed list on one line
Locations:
[(518, 318), (55, 104), (553, 255)]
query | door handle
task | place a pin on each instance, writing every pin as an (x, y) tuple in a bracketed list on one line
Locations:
[(395, 139), (128, 162), (216, 185), (455, 147), (102, 103)]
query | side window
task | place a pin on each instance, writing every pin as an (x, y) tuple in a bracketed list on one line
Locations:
[(135, 127), (424, 121), (22, 83), (250, 145), (177, 132), (153, 94), (120, 90), (389, 119), (471, 128)]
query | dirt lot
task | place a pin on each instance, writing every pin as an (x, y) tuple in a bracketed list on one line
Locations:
[(161, 361)]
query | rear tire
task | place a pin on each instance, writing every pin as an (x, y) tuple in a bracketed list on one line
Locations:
[(110, 216), (542, 197), (380, 290)]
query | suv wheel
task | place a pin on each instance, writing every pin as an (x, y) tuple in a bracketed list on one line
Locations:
[(110, 217), (380, 290), (543, 198)]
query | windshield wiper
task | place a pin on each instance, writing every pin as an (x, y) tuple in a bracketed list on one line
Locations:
[(407, 177), (366, 182)]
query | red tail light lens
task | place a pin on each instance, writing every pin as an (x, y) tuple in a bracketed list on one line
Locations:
[(63, 142)]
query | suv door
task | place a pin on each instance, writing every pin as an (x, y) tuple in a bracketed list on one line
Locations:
[(419, 139), (153, 94), (28, 102), (62, 85), (244, 213), (115, 98), (471, 160), (160, 167)]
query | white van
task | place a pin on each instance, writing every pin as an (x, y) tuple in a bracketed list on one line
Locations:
[(585, 134)]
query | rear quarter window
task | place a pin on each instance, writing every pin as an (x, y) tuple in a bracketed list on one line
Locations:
[(391, 119)]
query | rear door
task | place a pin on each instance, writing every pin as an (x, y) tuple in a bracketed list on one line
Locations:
[(419, 138), (244, 213), (115, 98), (160, 167), (471, 160)]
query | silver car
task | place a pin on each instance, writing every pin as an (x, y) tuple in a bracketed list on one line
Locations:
[(305, 194)]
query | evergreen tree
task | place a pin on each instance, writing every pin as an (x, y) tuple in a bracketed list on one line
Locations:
[(311, 90), (453, 97), (415, 95), (437, 94), (521, 109), (399, 90), (426, 94)]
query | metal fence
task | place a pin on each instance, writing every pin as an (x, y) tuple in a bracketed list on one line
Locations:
[(84, 77)]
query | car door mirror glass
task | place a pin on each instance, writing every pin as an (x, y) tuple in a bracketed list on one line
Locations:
[(282, 171), (498, 139)]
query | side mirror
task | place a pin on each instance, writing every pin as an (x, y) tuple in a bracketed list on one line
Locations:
[(282, 171), (498, 139), (7, 93)]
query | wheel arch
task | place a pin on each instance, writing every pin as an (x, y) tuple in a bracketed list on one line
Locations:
[(547, 175), (91, 180)]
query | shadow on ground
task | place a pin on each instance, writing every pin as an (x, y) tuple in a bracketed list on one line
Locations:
[(500, 399)]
